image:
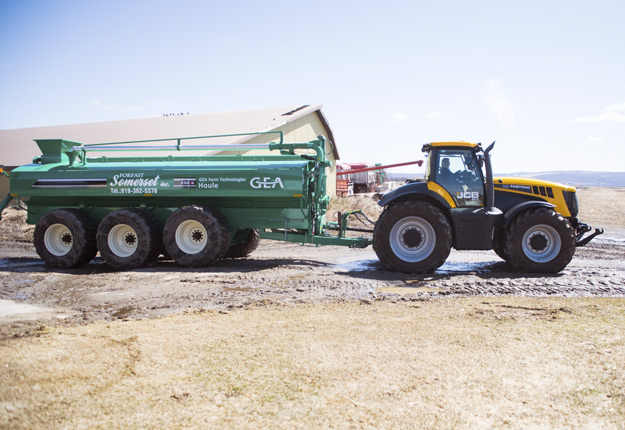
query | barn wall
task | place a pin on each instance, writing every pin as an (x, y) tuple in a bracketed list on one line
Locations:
[(302, 130)]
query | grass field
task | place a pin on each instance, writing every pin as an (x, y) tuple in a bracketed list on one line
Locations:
[(463, 363)]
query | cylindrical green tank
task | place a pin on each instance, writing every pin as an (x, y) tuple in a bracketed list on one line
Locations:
[(194, 209)]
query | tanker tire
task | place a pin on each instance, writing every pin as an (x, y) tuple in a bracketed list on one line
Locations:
[(193, 236), (246, 246), (540, 241), (65, 238), (224, 232), (129, 238), (412, 237)]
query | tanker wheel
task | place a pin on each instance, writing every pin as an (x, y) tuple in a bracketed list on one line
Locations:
[(193, 236), (541, 241), (249, 241), (65, 238), (412, 237), (224, 232), (129, 238)]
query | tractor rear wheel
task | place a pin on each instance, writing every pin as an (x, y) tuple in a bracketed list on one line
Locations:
[(412, 237), (540, 241), (250, 239), (65, 238), (129, 238), (193, 236)]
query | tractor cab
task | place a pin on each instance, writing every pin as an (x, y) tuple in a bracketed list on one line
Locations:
[(456, 167)]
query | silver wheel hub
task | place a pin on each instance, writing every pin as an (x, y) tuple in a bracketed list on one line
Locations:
[(541, 243), (123, 240), (191, 236), (412, 239), (58, 240)]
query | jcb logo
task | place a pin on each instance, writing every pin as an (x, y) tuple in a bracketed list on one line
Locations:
[(266, 182), (468, 195)]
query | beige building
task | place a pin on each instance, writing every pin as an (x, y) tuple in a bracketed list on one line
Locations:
[(299, 124)]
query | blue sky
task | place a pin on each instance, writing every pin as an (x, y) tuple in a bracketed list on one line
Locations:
[(546, 79)]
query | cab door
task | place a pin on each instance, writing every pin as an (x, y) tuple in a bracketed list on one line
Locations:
[(458, 172)]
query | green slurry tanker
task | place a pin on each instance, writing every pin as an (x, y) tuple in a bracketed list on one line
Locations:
[(196, 209)]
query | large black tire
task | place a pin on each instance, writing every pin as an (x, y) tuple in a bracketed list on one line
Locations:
[(541, 241), (224, 232), (499, 248), (129, 238), (65, 238), (193, 236), (250, 239), (412, 237)]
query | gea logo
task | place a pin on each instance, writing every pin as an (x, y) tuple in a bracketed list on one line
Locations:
[(468, 195), (266, 182)]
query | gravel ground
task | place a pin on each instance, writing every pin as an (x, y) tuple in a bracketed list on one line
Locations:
[(282, 273)]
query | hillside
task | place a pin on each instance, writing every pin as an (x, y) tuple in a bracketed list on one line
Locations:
[(573, 177)]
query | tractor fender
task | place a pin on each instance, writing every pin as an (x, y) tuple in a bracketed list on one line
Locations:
[(521, 207), (411, 191)]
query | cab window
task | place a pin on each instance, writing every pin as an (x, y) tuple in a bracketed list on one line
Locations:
[(459, 173)]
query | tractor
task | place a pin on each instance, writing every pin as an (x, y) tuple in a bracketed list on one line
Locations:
[(530, 223)]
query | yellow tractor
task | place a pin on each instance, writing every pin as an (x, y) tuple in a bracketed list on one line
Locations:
[(530, 223)]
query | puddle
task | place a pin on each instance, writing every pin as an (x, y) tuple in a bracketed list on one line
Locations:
[(21, 263), (8, 308), (349, 265), (462, 267), (123, 312)]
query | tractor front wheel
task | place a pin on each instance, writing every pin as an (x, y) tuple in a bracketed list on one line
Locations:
[(540, 241), (412, 237)]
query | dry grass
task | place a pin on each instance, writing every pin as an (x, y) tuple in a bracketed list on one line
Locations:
[(465, 363), (13, 226), (602, 206), (364, 202)]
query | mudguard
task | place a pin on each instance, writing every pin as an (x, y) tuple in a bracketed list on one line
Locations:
[(517, 209), (411, 189)]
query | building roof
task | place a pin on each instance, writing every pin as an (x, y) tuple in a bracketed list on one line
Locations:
[(17, 146)]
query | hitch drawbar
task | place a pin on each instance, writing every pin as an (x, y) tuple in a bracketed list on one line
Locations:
[(583, 242)]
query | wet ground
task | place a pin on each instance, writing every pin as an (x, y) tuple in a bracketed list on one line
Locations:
[(279, 273)]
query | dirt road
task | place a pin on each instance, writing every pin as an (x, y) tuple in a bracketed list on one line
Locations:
[(284, 273)]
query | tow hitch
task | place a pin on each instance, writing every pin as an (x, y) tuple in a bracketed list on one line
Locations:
[(581, 230)]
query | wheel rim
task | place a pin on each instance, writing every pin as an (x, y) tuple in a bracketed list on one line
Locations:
[(541, 243), (191, 236), (412, 239), (58, 239), (123, 240)]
